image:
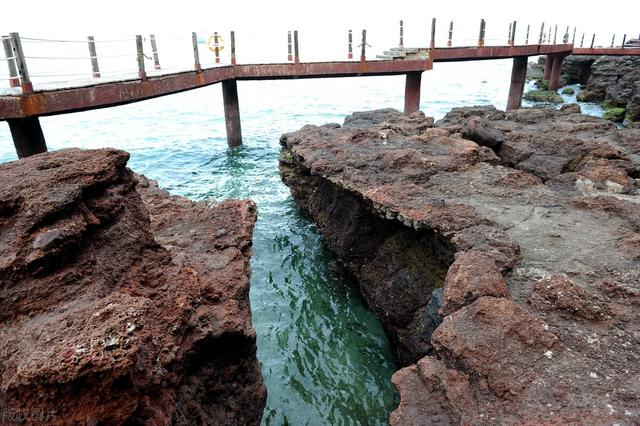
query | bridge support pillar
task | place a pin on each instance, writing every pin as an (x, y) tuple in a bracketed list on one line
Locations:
[(556, 68), (548, 63), (232, 112), (518, 76), (412, 92), (27, 136)]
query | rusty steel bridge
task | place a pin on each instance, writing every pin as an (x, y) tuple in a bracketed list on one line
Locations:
[(22, 106)]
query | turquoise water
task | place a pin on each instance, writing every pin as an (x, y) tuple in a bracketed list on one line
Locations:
[(325, 358)]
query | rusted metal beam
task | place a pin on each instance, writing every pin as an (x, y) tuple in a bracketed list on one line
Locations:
[(108, 94), (615, 51), (412, 92), (453, 54), (518, 77), (104, 95), (27, 136), (329, 69)]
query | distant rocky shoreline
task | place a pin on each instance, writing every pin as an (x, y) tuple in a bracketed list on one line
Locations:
[(613, 81)]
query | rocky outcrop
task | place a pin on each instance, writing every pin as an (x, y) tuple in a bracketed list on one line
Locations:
[(507, 280), (612, 80), (120, 303), (575, 69), (616, 82)]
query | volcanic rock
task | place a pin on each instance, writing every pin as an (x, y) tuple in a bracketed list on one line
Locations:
[(482, 133), (120, 303), (473, 274), (616, 82), (537, 249)]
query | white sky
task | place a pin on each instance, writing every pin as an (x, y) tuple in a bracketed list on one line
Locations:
[(64, 17), (261, 26)]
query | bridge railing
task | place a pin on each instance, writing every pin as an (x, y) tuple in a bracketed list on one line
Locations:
[(59, 63)]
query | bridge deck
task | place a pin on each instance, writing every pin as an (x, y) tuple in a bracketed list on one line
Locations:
[(105, 94), (474, 53), (60, 101)]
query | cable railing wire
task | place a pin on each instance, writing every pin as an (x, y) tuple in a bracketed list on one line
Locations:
[(128, 55), (47, 40)]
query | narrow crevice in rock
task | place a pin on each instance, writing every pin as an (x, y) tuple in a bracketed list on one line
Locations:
[(397, 268)]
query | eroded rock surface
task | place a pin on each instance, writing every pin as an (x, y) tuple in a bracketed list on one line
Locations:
[(120, 303), (535, 242)]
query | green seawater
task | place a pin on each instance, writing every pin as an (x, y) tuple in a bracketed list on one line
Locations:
[(324, 356)]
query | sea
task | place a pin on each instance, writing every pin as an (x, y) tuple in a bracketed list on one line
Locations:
[(324, 356)]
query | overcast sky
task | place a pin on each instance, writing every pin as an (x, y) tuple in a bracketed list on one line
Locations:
[(52, 17)]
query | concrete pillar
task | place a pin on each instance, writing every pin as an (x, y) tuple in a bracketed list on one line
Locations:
[(556, 68), (518, 76), (232, 112), (412, 92), (27, 136), (547, 68)]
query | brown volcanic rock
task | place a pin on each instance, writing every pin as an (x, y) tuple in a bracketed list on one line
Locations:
[(482, 133), (469, 337), (560, 293), (408, 203), (114, 315), (432, 394), (473, 274)]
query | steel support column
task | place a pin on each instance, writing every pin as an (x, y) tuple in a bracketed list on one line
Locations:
[(27, 136), (556, 68), (232, 112), (518, 76), (548, 63), (412, 92)]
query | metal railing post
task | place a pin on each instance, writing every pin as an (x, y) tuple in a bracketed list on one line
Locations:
[(196, 52), (94, 57), (21, 64), (154, 49), (140, 49), (14, 79), (233, 47)]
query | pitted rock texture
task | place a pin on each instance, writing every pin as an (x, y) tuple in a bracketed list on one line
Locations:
[(120, 303), (535, 242)]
